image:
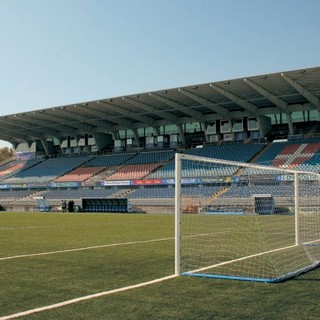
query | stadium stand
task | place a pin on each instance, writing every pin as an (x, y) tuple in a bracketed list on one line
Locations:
[(302, 154), (166, 171), (48, 170), (133, 156), (248, 191), (231, 151), (134, 171), (14, 195), (157, 195), (151, 157), (110, 160), (14, 167), (78, 193), (80, 174), (153, 192)]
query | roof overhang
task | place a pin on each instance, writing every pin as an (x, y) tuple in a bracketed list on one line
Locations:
[(282, 92)]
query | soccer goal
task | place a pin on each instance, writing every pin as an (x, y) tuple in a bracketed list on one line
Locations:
[(243, 221)]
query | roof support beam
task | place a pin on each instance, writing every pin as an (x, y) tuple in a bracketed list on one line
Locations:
[(120, 111), (140, 117), (136, 136), (315, 101), (243, 103), (181, 134), (282, 105), (290, 124), (104, 121), (271, 97), (207, 103), (45, 146), (59, 123), (163, 114), (157, 131), (24, 123), (115, 134), (15, 136), (100, 122), (29, 133), (79, 124), (85, 124), (187, 110)]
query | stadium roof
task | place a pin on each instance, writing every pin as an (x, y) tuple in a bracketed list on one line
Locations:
[(283, 92)]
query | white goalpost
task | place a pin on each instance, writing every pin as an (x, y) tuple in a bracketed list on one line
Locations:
[(244, 221)]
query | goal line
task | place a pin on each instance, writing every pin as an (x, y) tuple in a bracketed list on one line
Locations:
[(197, 273), (84, 298)]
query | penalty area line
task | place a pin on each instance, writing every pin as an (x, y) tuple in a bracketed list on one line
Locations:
[(85, 248), (84, 298)]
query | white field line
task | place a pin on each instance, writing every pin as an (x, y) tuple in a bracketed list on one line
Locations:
[(96, 247), (88, 297), (249, 257), (240, 259), (85, 248), (310, 242)]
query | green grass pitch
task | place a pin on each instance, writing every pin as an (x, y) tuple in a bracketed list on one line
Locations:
[(119, 250)]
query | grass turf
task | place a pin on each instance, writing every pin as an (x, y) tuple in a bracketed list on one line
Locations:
[(32, 282)]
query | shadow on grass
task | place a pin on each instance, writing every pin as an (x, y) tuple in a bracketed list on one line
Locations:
[(305, 280)]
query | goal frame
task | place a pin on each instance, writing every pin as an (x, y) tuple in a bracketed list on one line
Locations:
[(178, 182)]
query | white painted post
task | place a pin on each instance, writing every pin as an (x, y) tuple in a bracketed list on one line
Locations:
[(177, 212), (296, 207)]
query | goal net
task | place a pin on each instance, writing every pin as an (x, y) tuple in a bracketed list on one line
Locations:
[(244, 221)]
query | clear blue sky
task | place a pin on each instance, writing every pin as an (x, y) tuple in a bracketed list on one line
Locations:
[(57, 52)]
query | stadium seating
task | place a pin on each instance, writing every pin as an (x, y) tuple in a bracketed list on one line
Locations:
[(168, 192), (48, 170), (14, 167), (300, 154), (153, 192), (14, 194), (151, 157), (240, 191), (93, 171), (134, 171), (109, 160), (233, 152), (79, 174), (166, 171), (77, 193)]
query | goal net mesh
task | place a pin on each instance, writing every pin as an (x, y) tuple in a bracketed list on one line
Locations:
[(246, 222)]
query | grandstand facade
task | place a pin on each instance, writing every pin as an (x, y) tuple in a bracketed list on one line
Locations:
[(124, 147)]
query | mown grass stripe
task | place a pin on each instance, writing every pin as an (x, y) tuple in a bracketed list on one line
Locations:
[(85, 248), (88, 297)]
